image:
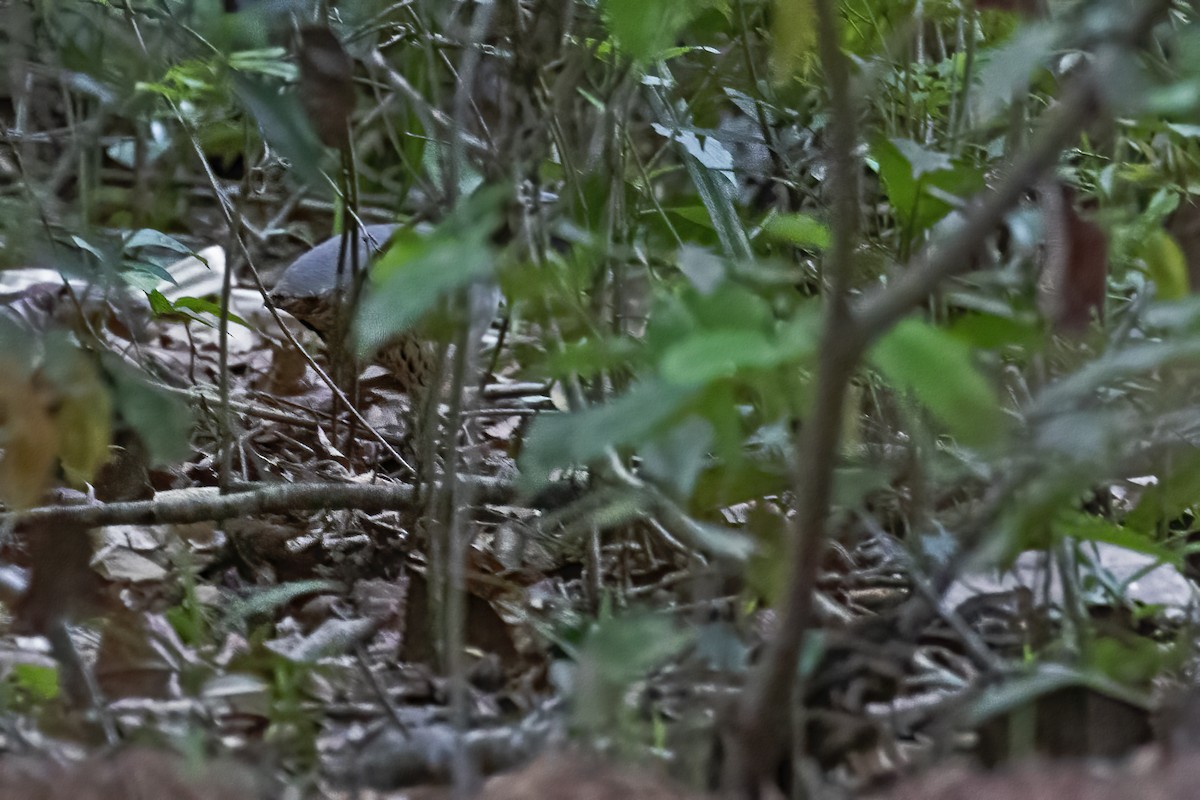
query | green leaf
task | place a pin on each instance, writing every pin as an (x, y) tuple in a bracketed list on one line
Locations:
[(148, 237), (40, 681), (701, 267), (1141, 357), (937, 369), (1006, 70), (995, 331), (920, 183), (712, 355), (732, 305), (418, 270), (802, 230), (1177, 490), (921, 161), (645, 28), (561, 440), (1043, 679), (200, 306), (793, 37), (711, 154), (713, 185), (725, 543), (1165, 264), (1091, 528), (159, 303), (269, 61), (283, 124), (145, 274), (676, 459), (617, 652), (164, 421)]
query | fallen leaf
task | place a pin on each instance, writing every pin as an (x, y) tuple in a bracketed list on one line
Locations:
[(1074, 274)]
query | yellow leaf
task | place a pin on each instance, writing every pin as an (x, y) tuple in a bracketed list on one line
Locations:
[(793, 37), (1166, 265), (84, 421), (28, 438)]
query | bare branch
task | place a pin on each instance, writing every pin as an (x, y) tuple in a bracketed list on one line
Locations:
[(202, 505)]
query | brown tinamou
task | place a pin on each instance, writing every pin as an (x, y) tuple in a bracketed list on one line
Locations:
[(308, 291)]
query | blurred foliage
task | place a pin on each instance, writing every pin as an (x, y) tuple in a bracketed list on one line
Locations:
[(655, 209)]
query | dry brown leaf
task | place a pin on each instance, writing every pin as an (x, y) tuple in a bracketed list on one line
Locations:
[(62, 585), (578, 778), (132, 774), (1075, 273), (1174, 779), (326, 85), (140, 655)]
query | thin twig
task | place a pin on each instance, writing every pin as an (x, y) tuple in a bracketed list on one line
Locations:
[(763, 711)]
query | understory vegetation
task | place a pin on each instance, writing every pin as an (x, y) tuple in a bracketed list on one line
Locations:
[(783, 396)]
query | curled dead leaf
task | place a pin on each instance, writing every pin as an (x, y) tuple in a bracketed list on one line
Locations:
[(1074, 274), (326, 84)]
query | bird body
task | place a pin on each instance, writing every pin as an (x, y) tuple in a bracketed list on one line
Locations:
[(308, 290)]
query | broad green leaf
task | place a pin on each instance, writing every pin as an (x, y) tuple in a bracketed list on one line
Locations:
[(201, 306), (676, 459), (267, 600), (793, 37), (269, 61), (418, 270), (1176, 491), (1130, 660), (938, 370), (717, 195), (1177, 316), (159, 303), (148, 237), (1090, 528), (144, 274), (994, 331), (163, 420), (646, 28), (717, 540), (802, 230), (283, 125), (39, 680), (84, 421), (920, 183), (708, 151), (562, 440), (617, 652), (712, 355), (1066, 393), (1006, 70), (1043, 679), (767, 568), (1165, 264), (87, 247), (701, 267), (84, 416), (714, 187), (921, 160), (732, 305)]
